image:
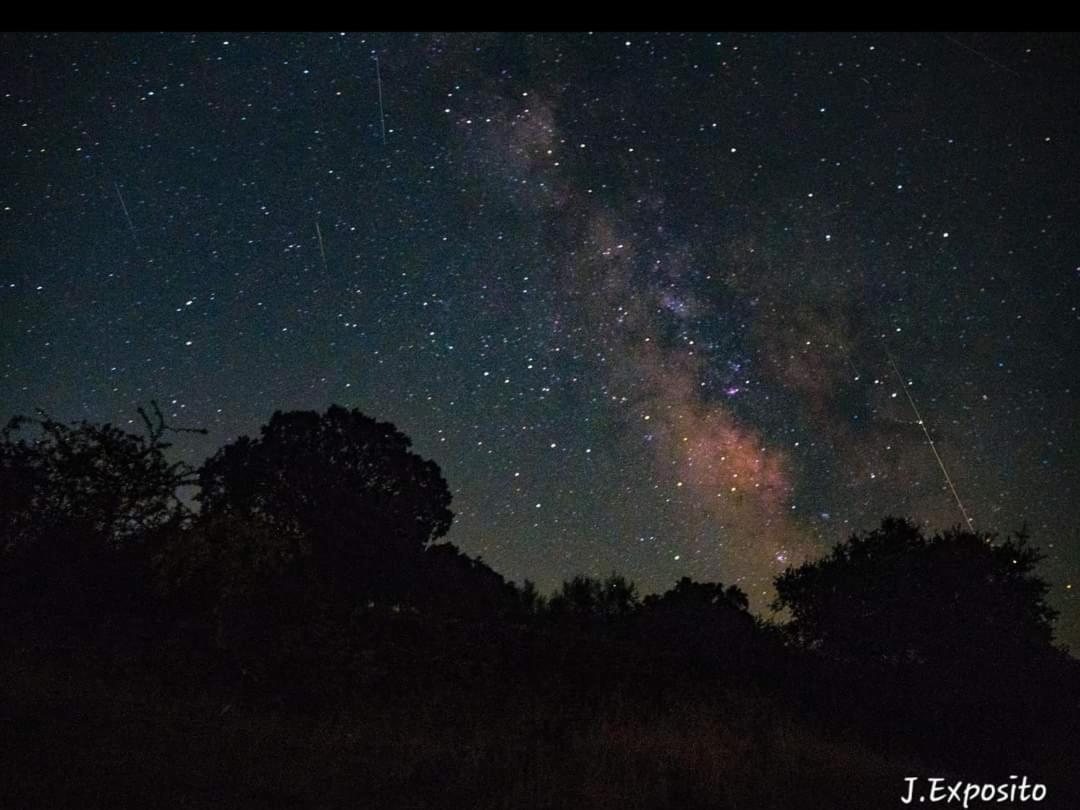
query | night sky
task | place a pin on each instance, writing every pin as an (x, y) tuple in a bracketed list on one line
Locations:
[(636, 294)]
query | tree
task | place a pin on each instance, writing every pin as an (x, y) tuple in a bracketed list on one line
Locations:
[(895, 596), (532, 602), (455, 584), (96, 479), (241, 598), (694, 596), (79, 505), (618, 597), (950, 632), (224, 569), (586, 597), (349, 484), (701, 619)]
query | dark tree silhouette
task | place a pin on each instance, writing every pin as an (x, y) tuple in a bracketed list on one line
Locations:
[(242, 594), (950, 632), (702, 619), (895, 596), (345, 482), (585, 597), (79, 507), (532, 602), (696, 596), (455, 584), (96, 479), (223, 568)]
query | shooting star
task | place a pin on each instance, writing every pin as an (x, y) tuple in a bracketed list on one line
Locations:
[(382, 118), (127, 215), (930, 441), (980, 54), (322, 249)]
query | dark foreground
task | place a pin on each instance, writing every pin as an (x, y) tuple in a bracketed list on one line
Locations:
[(302, 641), (525, 720)]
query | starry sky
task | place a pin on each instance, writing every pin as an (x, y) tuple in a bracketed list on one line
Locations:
[(654, 302)]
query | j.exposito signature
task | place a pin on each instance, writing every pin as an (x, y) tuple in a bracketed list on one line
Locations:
[(963, 793)]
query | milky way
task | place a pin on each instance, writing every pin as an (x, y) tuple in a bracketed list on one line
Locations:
[(636, 294)]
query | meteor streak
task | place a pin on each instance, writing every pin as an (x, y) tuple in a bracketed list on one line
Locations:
[(930, 441), (322, 250), (382, 118), (127, 215)]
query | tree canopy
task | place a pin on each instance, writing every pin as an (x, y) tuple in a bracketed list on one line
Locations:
[(894, 595), (348, 483), (79, 504), (86, 478), (586, 597), (694, 596)]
